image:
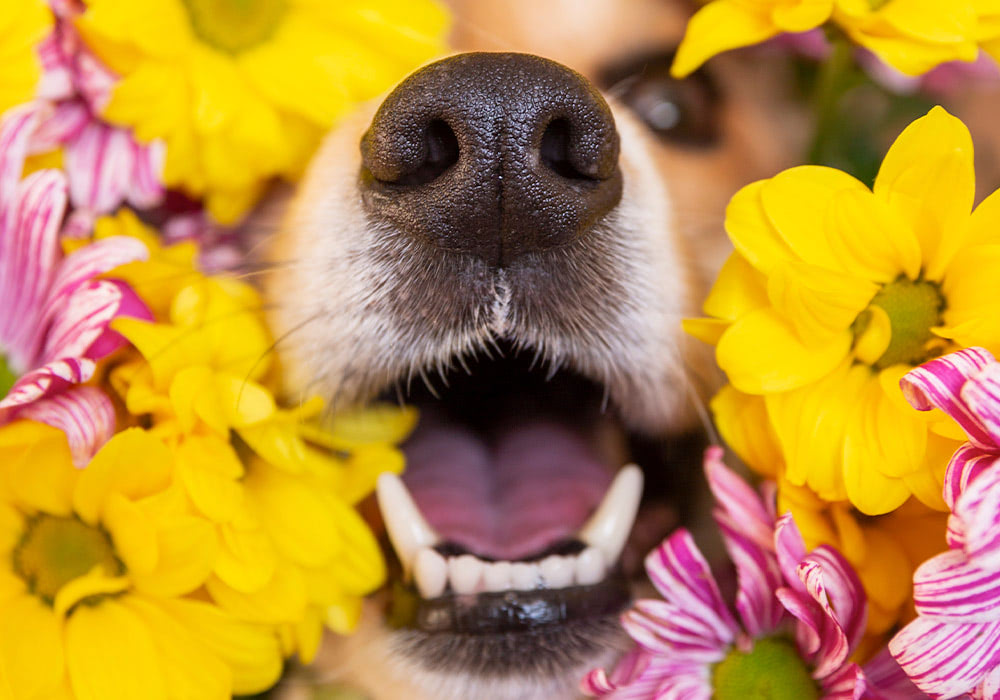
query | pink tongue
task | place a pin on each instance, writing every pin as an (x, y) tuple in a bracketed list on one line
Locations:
[(533, 487)]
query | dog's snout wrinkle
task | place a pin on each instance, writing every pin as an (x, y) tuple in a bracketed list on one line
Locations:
[(493, 155)]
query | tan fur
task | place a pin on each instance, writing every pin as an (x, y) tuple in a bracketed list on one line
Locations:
[(332, 286)]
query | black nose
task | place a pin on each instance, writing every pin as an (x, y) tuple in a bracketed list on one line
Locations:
[(492, 154)]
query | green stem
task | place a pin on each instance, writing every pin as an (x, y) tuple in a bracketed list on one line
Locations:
[(834, 78)]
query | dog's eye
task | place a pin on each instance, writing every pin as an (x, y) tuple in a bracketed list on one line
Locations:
[(678, 111)]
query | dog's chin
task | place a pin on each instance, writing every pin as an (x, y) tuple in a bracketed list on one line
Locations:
[(514, 537)]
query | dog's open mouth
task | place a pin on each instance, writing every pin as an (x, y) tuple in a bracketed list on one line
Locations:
[(515, 508)]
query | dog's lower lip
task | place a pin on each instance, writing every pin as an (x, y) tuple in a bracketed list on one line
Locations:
[(509, 611)]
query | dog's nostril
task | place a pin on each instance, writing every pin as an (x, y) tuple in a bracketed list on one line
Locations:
[(555, 151), (441, 146)]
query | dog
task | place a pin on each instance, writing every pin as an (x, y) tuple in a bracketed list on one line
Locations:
[(509, 241)]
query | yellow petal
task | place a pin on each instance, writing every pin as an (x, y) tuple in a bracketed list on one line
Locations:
[(875, 336), (928, 179), (188, 547), (983, 223), (210, 471), (97, 633), (810, 424), (707, 330), (971, 286), (886, 573), (133, 463), (802, 16), (95, 582), (377, 423), (717, 27), (746, 428), (751, 231), (250, 651), (283, 599), (820, 303), (38, 465), (761, 353), (870, 239), (738, 289), (133, 532), (246, 558), (799, 201), (190, 668), (31, 647), (343, 618)]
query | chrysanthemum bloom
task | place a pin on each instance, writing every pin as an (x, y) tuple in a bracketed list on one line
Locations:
[(953, 647), (100, 577), (799, 616), (835, 292), (293, 551), (23, 25), (913, 36), (240, 91), (55, 312)]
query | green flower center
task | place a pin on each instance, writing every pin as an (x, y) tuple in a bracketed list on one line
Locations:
[(771, 670), (54, 550), (7, 376), (235, 25), (913, 308)]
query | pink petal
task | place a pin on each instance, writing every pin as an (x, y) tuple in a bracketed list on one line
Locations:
[(82, 319), (965, 465), (989, 689), (629, 670), (99, 163), (834, 645), (844, 601), (146, 184), (846, 683), (60, 125), (50, 378), (790, 549), (665, 630), (944, 659), (16, 128), (84, 413), (57, 80), (129, 305), (736, 498), (682, 576), (951, 588), (884, 680), (28, 254), (938, 383), (758, 576), (811, 620), (981, 394), (978, 508)]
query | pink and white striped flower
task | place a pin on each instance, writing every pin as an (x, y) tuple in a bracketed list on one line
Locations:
[(953, 647), (55, 312), (796, 619)]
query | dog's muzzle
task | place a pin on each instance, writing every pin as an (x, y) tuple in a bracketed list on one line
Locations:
[(494, 155)]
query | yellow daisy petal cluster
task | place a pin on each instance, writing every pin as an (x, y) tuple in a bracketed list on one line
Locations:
[(835, 291), (913, 36), (241, 90), (275, 485), (23, 24), (108, 563)]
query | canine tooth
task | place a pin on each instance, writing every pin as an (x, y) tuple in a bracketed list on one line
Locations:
[(608, 528), (589, 567), (524, 577), (430, 571), (465, 572), (496, 576), (407, 528), (557, 571)]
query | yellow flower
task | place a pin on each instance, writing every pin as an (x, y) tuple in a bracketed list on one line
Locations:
[(101, 578), (277, 484), (241, 90), (835, 291), (23, 24), (911, 35)]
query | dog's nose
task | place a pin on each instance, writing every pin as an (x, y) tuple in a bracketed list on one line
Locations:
[(492, 154)]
